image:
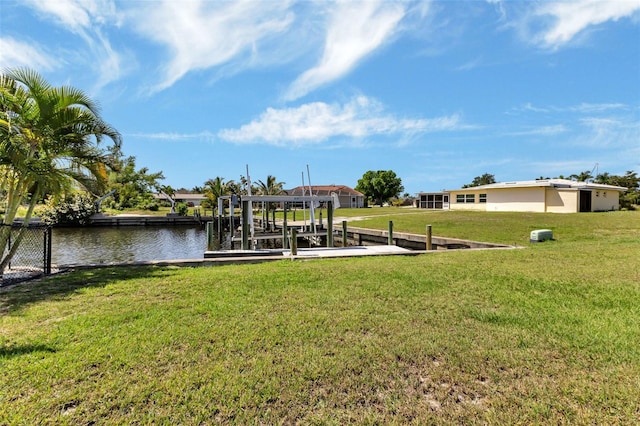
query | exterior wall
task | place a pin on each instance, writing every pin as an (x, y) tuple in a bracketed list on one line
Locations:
[(347, 201), (516, 200), (605, 200), (562, 200), (476, 205)]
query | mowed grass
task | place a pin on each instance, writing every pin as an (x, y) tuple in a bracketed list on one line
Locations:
[(547, 334)]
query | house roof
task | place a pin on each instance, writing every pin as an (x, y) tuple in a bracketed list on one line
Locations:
[(326, 190), (547, 183), (183, 196)]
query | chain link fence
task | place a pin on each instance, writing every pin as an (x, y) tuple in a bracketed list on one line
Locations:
[(33, 255)]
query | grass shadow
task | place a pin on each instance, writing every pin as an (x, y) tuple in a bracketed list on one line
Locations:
[(60, 286), (13, 351)]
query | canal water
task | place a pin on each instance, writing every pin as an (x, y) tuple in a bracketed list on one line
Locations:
[(126, 244)]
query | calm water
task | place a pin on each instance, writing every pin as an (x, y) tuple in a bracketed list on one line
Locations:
[(126, 244)]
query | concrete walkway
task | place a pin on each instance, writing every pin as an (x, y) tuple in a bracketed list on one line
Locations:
[(353, 251)]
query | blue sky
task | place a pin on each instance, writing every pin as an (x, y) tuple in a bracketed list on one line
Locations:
[(438, 91)]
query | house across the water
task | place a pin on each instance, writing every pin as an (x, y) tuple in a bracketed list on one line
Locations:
[(192, 200), (349, 197), (544, 195)]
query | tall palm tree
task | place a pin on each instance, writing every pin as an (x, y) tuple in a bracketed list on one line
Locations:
[(50, 142), (271, 187)]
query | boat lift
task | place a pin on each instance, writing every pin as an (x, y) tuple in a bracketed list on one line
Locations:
[(246, 201)]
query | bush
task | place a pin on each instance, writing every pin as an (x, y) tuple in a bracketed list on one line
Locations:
[(182, 209), (151, 206), (72, 210)]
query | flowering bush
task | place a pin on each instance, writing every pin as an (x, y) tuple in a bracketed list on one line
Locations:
[(72, 210)]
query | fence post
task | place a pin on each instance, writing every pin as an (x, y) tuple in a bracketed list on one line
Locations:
[(48, 234), (429, 246), (390, 236)]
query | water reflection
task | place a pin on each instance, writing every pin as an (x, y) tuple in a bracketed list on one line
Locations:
[(126, 244)]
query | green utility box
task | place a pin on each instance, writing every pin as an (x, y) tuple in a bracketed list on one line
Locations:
[(540, 235)]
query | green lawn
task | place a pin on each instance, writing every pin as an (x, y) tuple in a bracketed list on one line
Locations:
[(548, 334)]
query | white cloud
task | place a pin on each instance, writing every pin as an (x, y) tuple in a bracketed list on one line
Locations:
[(76, 15), (570, 18), (14, 54), (580, 108), (541, 131), (85, 19), (164, 136), (202, 34), (610, 131), (355, 29), (313, 123)]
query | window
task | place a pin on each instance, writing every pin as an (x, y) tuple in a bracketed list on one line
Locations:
[(482, 198), (465, 198)]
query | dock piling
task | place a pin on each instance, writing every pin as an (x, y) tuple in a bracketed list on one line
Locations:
[(344, 233), (294, 241)]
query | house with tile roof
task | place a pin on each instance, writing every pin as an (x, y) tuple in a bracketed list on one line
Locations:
[(348, 197)]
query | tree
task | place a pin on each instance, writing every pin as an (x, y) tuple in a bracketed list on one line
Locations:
[(133, 188), (485, 179), (631, 181), (270, 187), (214, 189), (582, 177), (50, 144), (380, 186)]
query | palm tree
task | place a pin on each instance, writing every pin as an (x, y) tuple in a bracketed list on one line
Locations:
[(214, 189), (604, 178), (271, 187), (50, 143), (582, 177)]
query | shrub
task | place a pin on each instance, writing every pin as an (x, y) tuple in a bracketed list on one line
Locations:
[(72, 210), (182, 209)]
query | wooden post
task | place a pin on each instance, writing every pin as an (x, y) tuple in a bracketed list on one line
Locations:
[(429, 246), (390, 236), (209, 228), (344, 234), (294, 241), (285, 241), (273, 222), (245, 225), (329, 223), (220, 214)]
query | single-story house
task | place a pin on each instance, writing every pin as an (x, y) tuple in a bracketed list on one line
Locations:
[(192, 200), (544, 195), (349, 197)]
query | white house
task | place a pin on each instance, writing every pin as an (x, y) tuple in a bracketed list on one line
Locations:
[(349, 197), (544, 195)]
